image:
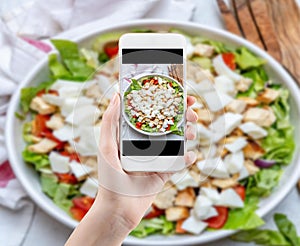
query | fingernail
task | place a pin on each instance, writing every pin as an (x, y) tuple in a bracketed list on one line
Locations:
[(114, 99)]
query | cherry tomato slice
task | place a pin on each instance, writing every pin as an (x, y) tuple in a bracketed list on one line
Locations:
[(218, 221), (241, 191), (229, 60), (138, 125), (77, 213), (73, 156), (155, 212), (111, 49), (39, 127), (42, 92), (67, 178), (84, 202)]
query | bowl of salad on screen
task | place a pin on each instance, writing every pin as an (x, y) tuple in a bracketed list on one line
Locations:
[(154, 105)]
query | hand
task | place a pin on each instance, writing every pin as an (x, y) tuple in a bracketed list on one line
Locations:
[(123, 198)]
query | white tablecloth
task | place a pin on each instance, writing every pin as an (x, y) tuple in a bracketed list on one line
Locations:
[(48, 232)]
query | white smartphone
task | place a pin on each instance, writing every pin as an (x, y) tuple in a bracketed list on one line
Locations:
[(153, 102)]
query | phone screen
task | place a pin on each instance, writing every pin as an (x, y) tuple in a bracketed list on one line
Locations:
[(153, 102)]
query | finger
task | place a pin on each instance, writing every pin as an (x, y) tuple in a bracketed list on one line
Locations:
[(191, 115), (190, 158), (191, 132), (109, 127), (191, 100)]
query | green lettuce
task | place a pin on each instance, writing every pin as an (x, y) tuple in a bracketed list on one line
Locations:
[(27, 134), (245, 59), (244, 218), (279, 144), (61, 193), (73, 66), (262, 183), (37, 160), (153, 226), (286, 236)]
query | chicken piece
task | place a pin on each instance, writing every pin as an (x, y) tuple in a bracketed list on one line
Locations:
[(177, 213), (185, 198), (39, 105), (204, 50), (251, 102), (268, 95), (244, 84), (42, 147), (237, 133), (93, 91), (36, 139), (250, 166), (166, 198), (221, 151), (205, 116), (236, 106), (69, 148), (199, 155), (260, 116), (225, 183), (253, 151), (196, 74), (56, 122)]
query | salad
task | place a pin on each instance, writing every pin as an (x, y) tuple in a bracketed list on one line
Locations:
[(251, 153), (154, 103)]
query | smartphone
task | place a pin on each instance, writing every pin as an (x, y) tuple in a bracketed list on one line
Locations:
[(153, 102)]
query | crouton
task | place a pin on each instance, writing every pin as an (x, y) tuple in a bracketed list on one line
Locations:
[(260, 116), (166, 198), (253, 150), (185, 198), (244, 84), (250, 166), (236, 106), (42, 147), (203, 50), (56, 122), (205, 116), (237, 133), (251, 102), (268, 95), (221, 151), (225, 183), (177, 213), (39, 105)]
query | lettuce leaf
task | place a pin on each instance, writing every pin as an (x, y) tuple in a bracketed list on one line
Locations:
[(287, 229), (73, 66), (262, 183), (286, 236), (153, 226), (61, 193), (279, 144), (244, 218), (37, 160), (245, 59)]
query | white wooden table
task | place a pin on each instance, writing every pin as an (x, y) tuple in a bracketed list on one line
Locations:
[(48, 232)]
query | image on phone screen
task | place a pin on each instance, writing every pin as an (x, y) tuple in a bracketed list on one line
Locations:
[(153, 102)]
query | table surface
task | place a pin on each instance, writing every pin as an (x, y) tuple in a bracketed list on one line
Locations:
[(45, 227)]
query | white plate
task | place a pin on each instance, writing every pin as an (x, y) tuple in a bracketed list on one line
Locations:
[(29, 179)]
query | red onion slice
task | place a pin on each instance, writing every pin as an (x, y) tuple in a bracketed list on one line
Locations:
[(264, 163), (38, 44)]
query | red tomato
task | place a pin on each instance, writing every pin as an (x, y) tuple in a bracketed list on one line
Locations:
[(39, 127), (138, 125), (179, 229), (241, 191), (170, 84), (42, 92), (155, 82), (218, 221), (229, 60), (60, 144), (155, 212), (84, 202), (77, 213), (168, 128), (66, 178), (73, 156), (111, 49)]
